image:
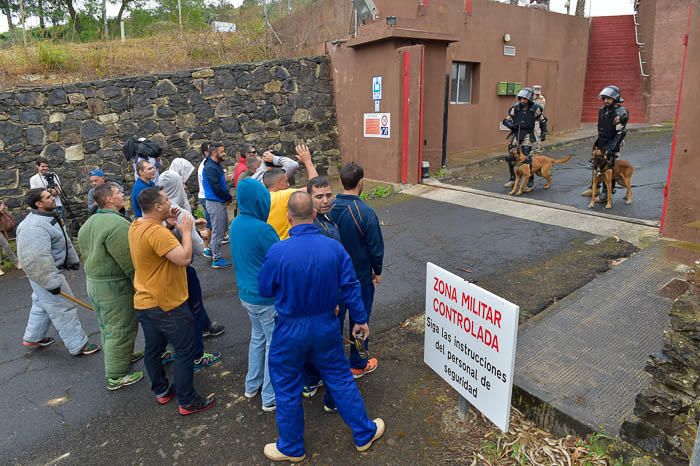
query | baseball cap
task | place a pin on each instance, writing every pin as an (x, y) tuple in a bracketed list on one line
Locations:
[(97, 172)]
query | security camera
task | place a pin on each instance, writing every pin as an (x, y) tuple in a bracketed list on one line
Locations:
[(366, 10)]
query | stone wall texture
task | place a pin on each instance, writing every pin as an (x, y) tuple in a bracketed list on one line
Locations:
[(81, 126), (667, 412)]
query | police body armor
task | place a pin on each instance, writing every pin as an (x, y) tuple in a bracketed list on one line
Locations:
[(524, 117), (606, 126)]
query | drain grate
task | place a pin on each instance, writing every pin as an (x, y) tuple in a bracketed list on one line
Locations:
[(673, 289)]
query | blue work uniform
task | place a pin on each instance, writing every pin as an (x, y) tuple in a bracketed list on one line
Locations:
[(306, 273)]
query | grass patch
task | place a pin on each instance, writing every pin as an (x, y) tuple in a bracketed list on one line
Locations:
[(6, 263), (526, 444), (380, 192)]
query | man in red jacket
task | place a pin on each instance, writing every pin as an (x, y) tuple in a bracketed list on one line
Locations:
[(246, 149)]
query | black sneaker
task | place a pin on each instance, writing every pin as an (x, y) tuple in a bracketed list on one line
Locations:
[(197, 406), (214, 330)]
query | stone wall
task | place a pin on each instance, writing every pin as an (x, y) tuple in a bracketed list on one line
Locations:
[(667, 412), (80, 126)]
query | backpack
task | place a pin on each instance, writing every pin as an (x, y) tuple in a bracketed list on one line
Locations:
[(135, 148)]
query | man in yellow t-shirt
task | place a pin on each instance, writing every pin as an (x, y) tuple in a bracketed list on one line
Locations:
[(277, 183), (160, 299)]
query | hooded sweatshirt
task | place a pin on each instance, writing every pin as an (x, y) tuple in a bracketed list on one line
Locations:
[(251, 237), (173, 182)]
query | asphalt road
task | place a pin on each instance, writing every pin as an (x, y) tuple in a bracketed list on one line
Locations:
[(53, 404), (648, 152)]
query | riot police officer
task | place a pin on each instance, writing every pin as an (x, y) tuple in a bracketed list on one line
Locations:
[(612, 128), (521, 120)]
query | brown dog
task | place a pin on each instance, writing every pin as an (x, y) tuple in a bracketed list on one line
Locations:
[(541, 166), (620, 173)]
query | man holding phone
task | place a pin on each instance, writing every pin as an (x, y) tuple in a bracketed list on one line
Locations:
[(306, 329)]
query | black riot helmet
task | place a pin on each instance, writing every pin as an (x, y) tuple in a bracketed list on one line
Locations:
[(613, 92), (526, 93)]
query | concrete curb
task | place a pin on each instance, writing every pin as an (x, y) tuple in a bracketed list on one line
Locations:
[(551, 205)]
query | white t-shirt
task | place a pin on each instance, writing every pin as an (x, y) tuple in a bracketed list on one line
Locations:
[(200, 180), (39, 181)]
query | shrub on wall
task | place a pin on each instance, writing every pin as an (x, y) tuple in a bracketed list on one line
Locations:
[(54, 57)]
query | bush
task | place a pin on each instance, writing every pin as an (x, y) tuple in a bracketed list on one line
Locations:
[(54, 58)]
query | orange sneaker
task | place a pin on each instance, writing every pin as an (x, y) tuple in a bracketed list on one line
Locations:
[(370, 367)]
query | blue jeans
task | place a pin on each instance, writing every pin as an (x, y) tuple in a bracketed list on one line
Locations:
[(356, 362), (315, 339), (50, 309), (159, 328), (262, 320), (199, 314)]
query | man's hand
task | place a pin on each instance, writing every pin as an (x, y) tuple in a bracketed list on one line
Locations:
[(55, 291), (376, 279), (200, 221), (185, 227), (360, 331), (303, 153), (268, 157), (205, 234)]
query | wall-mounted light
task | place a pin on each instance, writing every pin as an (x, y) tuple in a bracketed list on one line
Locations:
[(506, 37), (391, 20)]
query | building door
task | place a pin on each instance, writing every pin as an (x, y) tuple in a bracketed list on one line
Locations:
[(545, 73)]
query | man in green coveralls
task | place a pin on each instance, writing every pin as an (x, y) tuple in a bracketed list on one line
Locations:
[(104, 245)]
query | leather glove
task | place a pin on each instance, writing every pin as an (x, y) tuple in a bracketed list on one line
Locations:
[(75, 266), (55, 291)]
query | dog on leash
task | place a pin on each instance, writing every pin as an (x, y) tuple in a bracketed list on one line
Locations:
[(541, 166), (620, 172)]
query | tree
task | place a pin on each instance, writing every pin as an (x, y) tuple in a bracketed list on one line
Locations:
[(580, 8), (5, 6), (73, 15)]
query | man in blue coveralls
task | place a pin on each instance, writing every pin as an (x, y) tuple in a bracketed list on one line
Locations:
[(306, 274)]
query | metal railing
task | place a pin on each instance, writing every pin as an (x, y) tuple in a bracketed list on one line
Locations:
[(640, 45)]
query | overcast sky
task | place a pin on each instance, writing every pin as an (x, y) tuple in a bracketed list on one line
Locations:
[(594, 7)]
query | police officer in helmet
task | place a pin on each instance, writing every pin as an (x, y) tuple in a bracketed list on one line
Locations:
[(521, 120), (612, 128)]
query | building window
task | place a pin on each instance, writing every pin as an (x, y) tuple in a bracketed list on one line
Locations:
[(461, 83)]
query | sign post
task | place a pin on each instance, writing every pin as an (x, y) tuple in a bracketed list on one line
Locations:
[(470, 340)]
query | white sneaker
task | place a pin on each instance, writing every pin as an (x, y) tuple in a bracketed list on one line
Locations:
[(380, 431)]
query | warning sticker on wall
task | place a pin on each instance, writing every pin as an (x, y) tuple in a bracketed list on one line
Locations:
[(377, 125)]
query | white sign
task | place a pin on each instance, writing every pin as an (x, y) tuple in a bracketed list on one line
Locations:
[(377, 106), (470, 338), (221, 26), (377, 125), (377, 88)]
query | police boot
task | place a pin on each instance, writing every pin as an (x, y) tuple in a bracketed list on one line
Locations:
[(511, 169), (531, 180)]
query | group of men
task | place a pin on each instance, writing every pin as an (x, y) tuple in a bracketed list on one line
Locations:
[(528, 125), (302, 262)]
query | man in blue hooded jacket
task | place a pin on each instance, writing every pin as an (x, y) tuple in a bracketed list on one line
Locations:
[(306, 274), (254, 236)]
